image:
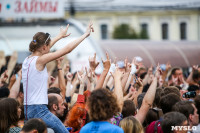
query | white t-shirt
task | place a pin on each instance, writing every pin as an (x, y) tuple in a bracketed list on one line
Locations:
[(37, 82)]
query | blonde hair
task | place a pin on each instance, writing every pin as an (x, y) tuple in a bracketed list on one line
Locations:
[(131, 125)]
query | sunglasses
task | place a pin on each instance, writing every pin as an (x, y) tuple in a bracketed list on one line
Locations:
[(47, 34)]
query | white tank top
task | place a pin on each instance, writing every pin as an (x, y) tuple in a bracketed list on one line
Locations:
[(37, 82)]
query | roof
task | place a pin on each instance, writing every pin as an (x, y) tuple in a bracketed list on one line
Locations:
[(181, 53), (131, 5)]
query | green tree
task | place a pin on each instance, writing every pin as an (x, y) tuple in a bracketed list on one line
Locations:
[(144, 34), (124, 31)]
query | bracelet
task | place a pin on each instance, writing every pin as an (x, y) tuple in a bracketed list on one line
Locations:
[(59, 69)]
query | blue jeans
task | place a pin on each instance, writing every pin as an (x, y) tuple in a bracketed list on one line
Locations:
[(42, 112)]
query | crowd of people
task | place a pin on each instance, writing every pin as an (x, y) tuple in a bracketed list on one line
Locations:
[(39, 97)]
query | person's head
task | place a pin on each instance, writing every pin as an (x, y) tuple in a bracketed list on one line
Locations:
[(40, 43), (167, 102), (102, 105), (54, 90), (20, 96), (4, 92), (197, 104), (156, 102), (56, 104), (34, 125), (131, 125), (9, 113), (173, 119), (75, 116), (128, 109), (177, 72), (196, 76), (171, 89), (153, 114), (193, 88), (189, 110)]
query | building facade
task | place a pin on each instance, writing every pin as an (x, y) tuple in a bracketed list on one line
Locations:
[(174, 21)]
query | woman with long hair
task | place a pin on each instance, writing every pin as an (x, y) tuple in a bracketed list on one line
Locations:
[(9, 115), (35, 75)]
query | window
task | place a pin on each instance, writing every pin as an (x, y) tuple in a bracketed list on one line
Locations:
[(144, 31), (104, 31), (164, 31), (183, 31)]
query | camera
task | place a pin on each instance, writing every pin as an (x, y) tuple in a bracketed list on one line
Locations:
[(190, 94)]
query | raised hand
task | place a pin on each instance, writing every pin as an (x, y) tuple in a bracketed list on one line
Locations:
[(139, 81), (59, 62), (69, 76), (4, 76), (158, 71), (89, 29), (63, 32), (107, 63), (93, 62), (19, 73), (127, 65), (168, 66), (134, 62), (90, 75), (194, 67), (81, 76), (117, 74), (150, 70)]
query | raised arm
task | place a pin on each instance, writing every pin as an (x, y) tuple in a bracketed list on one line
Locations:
[(81, 78), (2, 59), (91, 78), (62, 34), (106, 65), (117, 75), (93, 63), (44, 59), (189, 79), (127, 72), (164, 75), (3, 78), (11, 64), (61, 79), (148, 98), (14, 91)]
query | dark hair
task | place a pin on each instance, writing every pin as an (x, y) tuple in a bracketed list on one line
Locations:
[(193, 88), (174, 70), (197, 104), (128, 108), (156, 102), (52, 100), (184, 107), (4, 92), (54, 90), (196, 75), (152, 115), (170, 89), (8, 113), (172, 119), (34, 123), (167, 102), (39, 39), (102, 105), (21, 88)]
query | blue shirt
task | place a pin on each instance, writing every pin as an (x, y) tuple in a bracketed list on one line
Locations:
[(101, 127)]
